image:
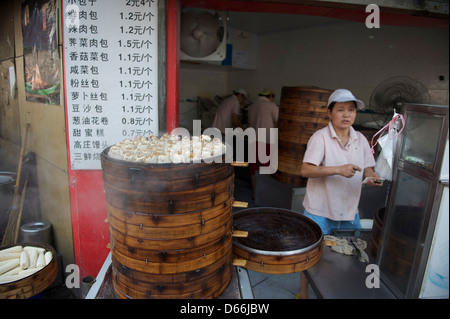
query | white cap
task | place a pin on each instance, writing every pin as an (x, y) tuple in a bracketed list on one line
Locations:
[(343, 95), (241, 91)]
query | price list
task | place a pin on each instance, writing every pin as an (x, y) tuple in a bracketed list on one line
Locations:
[(111, 74)]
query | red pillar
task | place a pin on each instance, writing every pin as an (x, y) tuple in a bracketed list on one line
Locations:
[(173, 63)]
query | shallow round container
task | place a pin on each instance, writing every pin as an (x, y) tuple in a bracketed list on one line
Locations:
[(169, 227), (279, 241), (33, 284)]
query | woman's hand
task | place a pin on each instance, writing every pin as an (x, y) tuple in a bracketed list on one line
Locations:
[(348, 170), (372, 181), (371, 178)]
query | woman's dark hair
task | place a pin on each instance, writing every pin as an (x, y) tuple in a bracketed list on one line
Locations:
[(330, 107)]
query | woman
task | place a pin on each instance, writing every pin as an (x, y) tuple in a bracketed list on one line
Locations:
[(336, 162)]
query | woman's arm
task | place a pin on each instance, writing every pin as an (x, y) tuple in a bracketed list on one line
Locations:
[(309, 170)]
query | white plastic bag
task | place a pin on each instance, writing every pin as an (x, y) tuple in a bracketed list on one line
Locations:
[(387, 142), (384, 164)]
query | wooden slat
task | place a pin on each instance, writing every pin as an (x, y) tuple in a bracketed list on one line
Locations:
[(182, 277), (240, 204), (239, 262), (276, 259), (209, 289), (304, 104), (171, 256), (166, 173), (170, 233), (239, 164), (169, 220), (282, 269), (163, 245), (139, 203), (172, 287), (164, 268), (239, 233)]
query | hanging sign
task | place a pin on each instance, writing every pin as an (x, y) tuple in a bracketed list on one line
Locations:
[(111, 74)]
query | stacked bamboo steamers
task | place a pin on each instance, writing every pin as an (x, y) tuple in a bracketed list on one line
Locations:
[(170, 215), (303, 111), (169, 202)]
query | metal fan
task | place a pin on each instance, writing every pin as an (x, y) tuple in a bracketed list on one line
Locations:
[(392, 93), (202, 35)]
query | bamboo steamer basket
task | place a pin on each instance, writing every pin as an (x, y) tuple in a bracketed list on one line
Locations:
[(279, 241), (170, 227), (32, 285), (303, 111)]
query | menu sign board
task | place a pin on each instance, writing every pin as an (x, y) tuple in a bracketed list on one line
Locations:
[(111, 74)]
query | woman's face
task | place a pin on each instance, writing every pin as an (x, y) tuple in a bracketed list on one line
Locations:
[(342, 115)]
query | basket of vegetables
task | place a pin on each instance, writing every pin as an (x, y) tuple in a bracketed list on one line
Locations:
[(26, 269)]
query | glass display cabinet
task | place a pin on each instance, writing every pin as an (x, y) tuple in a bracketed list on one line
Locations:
[(414, 199)]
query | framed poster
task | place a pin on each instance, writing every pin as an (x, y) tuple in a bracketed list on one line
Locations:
[(111, 74), (40, 51)]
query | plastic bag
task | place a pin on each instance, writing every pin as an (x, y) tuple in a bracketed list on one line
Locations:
[(387, 142), (384, 164)]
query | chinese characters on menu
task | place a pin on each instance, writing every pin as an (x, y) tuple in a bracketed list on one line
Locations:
[(111, 74)]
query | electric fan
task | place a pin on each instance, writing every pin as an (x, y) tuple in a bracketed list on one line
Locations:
[(393, 92), (202, 35)]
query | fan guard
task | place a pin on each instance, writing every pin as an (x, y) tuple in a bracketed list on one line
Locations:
[(392, 93), (202, 35)]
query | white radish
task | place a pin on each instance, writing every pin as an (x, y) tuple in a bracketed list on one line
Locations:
[(29, 272), (13, 271), (9, 256), (15, 249), (33, 255), (40, 262), (22, 274), (11, 264), (48, 257), (24, 260), (28, 248)]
